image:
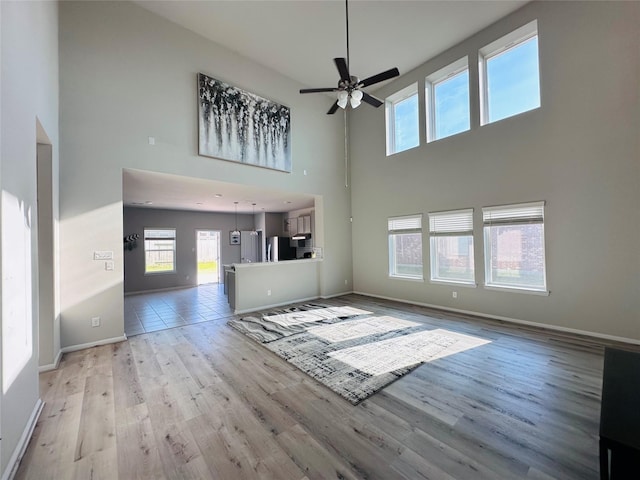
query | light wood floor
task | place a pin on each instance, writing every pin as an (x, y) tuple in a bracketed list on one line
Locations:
[(202, 401)]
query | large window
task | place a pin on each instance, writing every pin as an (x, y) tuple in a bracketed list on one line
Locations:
[(514, 246), (159, 250), (447, 95), (405, 247), (402, 120), (451, 238), (509, 75)]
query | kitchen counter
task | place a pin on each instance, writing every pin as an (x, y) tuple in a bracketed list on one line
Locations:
[(268, 284)]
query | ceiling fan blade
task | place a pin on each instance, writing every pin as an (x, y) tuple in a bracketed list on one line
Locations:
[(333, 108), (343, 69), (318, 90), (371, 100), (380, 77)]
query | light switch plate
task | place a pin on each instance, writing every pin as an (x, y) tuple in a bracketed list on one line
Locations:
[(102, 255), (108, 265)]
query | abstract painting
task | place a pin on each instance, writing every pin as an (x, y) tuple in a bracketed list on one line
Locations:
[(242, 127)]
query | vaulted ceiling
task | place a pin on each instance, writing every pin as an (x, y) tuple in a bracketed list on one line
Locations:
[(299, 39)]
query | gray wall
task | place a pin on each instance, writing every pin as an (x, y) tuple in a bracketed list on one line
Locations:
[(29, 100), (127, 74), (186, 223), (579, 152)]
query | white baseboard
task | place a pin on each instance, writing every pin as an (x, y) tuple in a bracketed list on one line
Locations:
[(156, 290), (18, 453), (336, 295), (51, 366), (82, 346), (547, 326), (274, 305)]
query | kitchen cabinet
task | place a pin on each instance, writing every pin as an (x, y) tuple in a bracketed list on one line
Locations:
[(299, 225), (293, 226), (303, 224)]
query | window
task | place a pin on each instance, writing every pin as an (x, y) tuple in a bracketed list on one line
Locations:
[(159, 250), (447, 94), (451, 237), (405, 247), (514, 246), (402, 120), (509, 75)]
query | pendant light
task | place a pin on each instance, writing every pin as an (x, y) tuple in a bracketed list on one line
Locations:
[(236, 231), (254, 232)]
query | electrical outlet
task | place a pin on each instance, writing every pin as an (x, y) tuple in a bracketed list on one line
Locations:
[(95, 321), (269, 292), (346, 282), (109, 265), (454, 294)]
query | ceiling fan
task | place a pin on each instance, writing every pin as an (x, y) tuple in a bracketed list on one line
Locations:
[(349, 86)]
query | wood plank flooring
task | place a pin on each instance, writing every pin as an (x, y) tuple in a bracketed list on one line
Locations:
[(201, 401)]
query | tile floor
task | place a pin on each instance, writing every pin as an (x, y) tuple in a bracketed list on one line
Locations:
[(149, 312)]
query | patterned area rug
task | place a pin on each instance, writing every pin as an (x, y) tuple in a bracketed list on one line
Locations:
[(289, 321), (353, 354)]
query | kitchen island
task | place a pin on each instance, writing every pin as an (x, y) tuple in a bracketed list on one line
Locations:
[(255, 286)]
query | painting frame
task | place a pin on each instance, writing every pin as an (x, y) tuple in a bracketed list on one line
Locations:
[(242, 127)]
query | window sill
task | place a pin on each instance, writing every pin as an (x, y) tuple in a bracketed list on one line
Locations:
[(161, 273), (411, 279), (453, 282), (528, 291)]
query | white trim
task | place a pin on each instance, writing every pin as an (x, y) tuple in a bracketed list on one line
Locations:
[(510, 40), (51, 366), (529, 291), (82, 346), (324, 297), (21, 448), (546, 326), (167, 289), (454, 283), (411, 279)]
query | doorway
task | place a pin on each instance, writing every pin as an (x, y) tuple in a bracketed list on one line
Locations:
[(208, 256)]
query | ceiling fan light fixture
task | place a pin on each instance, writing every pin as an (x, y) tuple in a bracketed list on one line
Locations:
[(356, 98), (343, 98), (236, 232), (254, 232)]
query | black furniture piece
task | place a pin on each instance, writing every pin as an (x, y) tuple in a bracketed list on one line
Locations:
[(620, 415)]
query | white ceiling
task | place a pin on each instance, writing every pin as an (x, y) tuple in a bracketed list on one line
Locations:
[(299, 39), (160, 190)]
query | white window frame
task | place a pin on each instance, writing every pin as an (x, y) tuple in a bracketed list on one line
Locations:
[(148, 237), (431, 82), (495, 48), (512, 215), (389, 104), (408, 224), (453, 223)]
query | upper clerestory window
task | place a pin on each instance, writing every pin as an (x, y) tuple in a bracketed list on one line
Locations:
[(401, 110), (447, 96), (509, 75)]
